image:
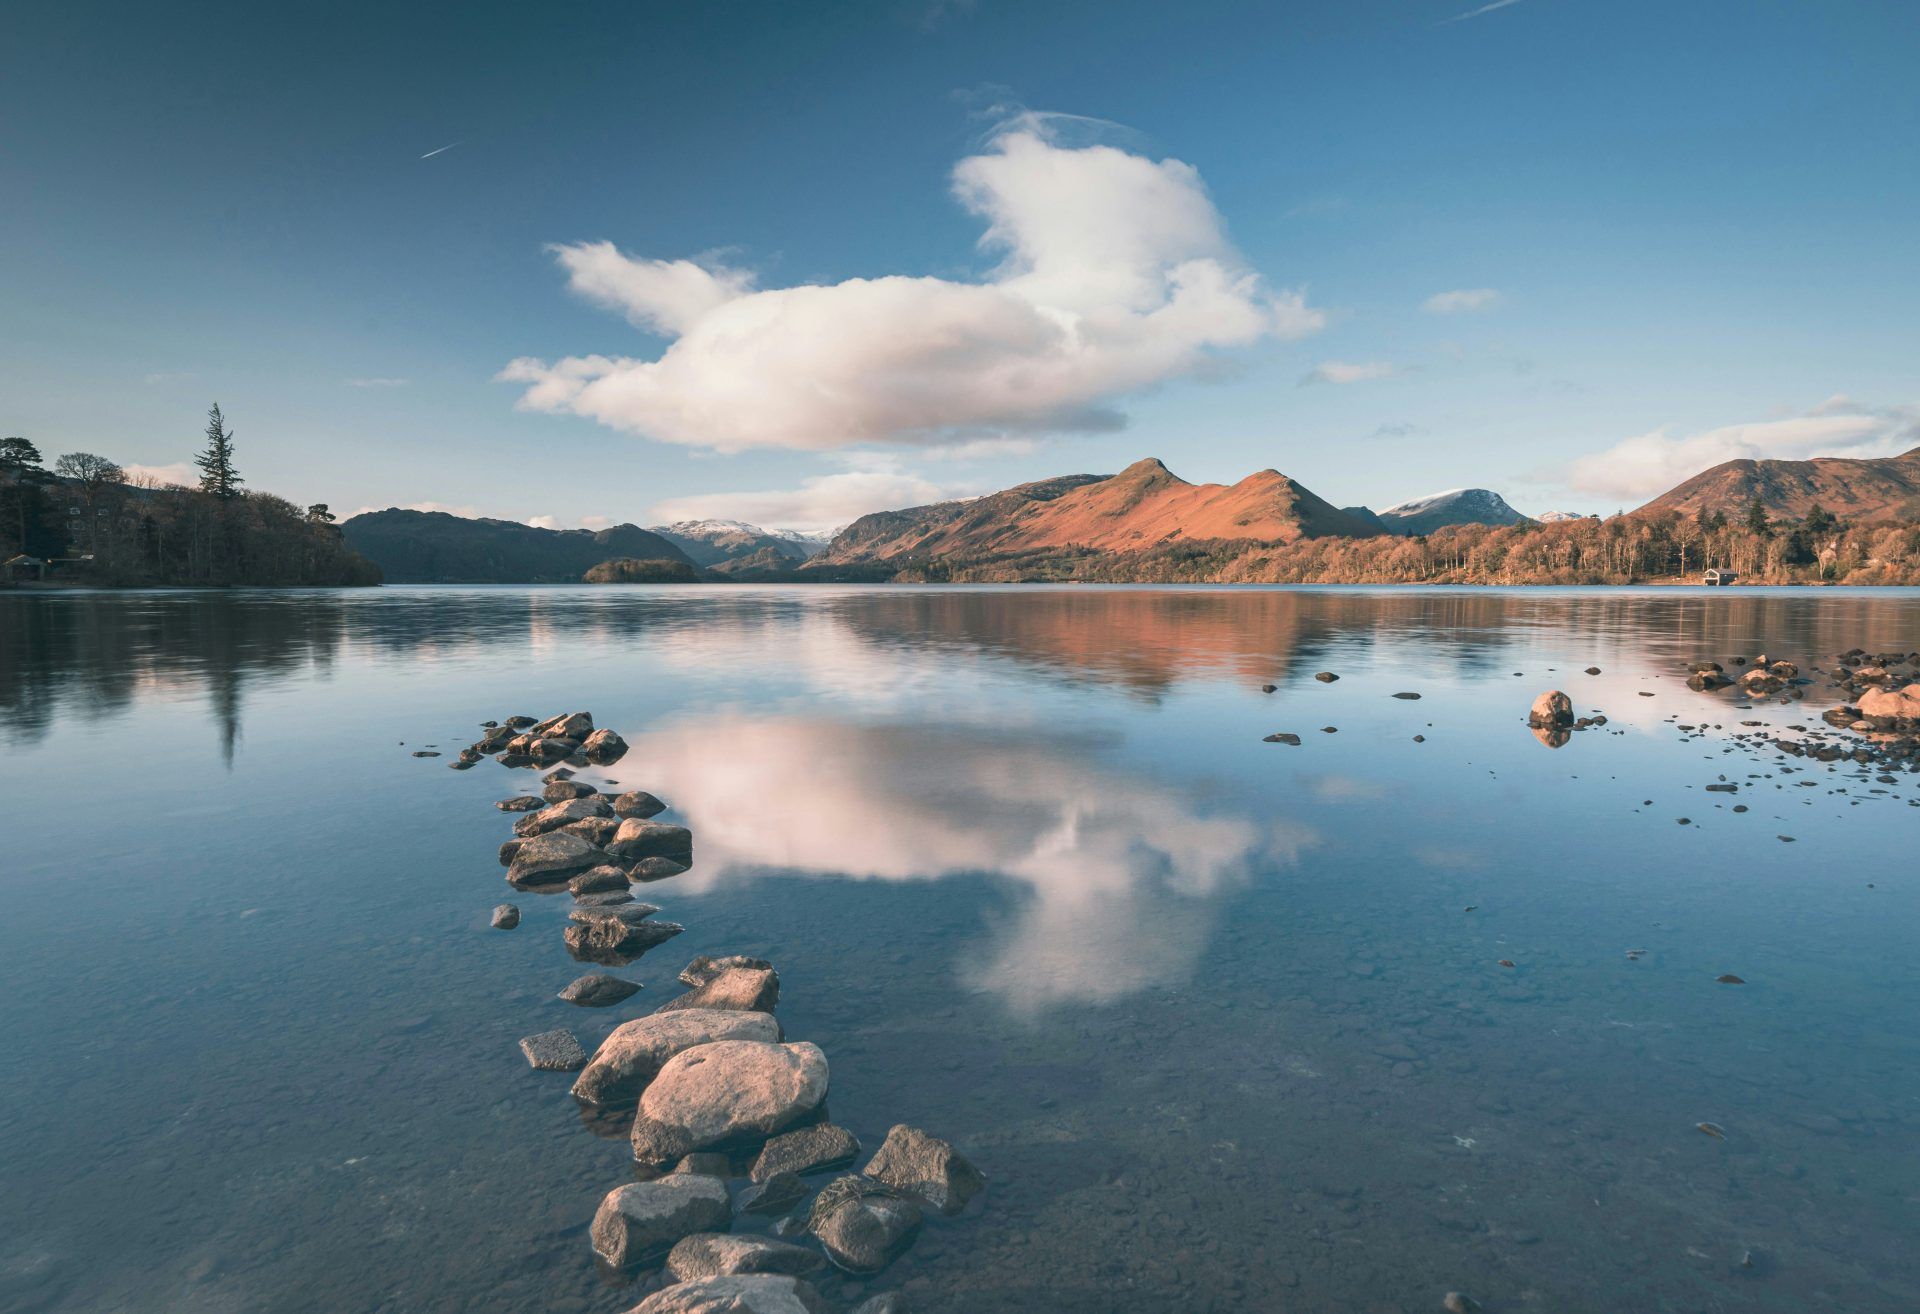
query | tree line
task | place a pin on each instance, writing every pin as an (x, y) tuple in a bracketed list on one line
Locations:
[(98, 525)]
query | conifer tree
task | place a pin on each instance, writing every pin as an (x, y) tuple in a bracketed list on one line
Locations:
[(217, 475)]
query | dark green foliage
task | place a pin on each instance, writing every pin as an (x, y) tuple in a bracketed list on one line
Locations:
[(433, 547), (218, 478)]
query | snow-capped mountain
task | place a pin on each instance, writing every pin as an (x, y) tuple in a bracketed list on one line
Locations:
[(1555, 517), (713, 542), (1456, 506)]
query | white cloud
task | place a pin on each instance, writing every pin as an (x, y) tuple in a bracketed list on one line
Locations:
[(179, 472), (1344, 371), (822, 502), (377, 383), (1461, 301), (1115, 275), (980, 449), (1651, 463), (543, 522)]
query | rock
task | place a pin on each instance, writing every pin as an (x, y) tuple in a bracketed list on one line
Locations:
[(636, 1051), (603, 746), (1761, 681), (863, 1224), (887, 1302), (597, 831), (806, 1150), (1325, 677), (560, 791), (603, 899), (736, 1293), (927, 1167), (505, 917), (615, 941), (1282, 738), (598, 990), (1893, 708), (628, 913), (518, 722), (750, 989), (551, 859), (425, 752), (637, 803), (1593, 670), (512, 759), (572, 725), (1408, 696), (710, 1254), (638, 838), (525, 803), (554, 1051), (507, 851), (643, 1220), (704, 968), (1459, 1303), (599, 880), (1551, 709), (1269, 688), (654, 869), (1730, 979), (776, 1195), (556, 815), (725, 1092)]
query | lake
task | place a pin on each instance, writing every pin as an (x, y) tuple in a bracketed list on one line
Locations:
[(1224, 1022)]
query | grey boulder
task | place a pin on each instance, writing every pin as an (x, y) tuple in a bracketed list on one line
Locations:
[(636, 1051), (862, 1224), (560, 791), (725, 1093), (505, 917), (736, 1293), (598, 990), (556, 815), (524, 803), (615, 941), (704, 968), (568, 725), (749, 989), (926, 1166), (603, 746), (1551, 709), (551, 859), (553, 1051), (638, 838), (655, 869), (599, 880), (637, 803), (806, 1150), (643, 1220), (711, 1254)]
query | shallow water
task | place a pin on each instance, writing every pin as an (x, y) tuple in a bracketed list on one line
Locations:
[(1207, 1011)]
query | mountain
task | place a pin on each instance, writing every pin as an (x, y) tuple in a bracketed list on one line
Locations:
[(421, 547), (1144, 506), (1456, 506), (1887, 488), (1366, 515), (1558, 517), (711, 542)]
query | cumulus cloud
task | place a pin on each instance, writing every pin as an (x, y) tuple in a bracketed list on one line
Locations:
[(1114, 275), (820, 503), (1461, 301), (1649, 464), (1346, 371)]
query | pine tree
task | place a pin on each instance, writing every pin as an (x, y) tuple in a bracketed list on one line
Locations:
[(1757, 518), (217, 475)]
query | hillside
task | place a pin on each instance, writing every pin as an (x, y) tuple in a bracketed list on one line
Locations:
[(1874, 491), (1144, 506), (715, 542), (420, 547)]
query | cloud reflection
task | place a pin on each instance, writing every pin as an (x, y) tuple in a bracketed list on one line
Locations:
[(1120, 872)]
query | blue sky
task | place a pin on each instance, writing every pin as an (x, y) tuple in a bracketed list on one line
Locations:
[(1687, 229)]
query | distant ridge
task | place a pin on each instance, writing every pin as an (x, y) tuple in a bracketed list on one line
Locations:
[(432, 547), (1456, 506), (1865, 490), (717, 542), (1145, 505)]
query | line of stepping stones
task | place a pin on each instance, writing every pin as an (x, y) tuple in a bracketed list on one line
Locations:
[(715, 1089)]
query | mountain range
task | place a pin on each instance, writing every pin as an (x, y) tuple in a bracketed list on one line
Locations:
[(1144, 508)]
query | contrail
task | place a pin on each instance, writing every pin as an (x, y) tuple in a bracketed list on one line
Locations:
[(449, 146), (1483, 9)]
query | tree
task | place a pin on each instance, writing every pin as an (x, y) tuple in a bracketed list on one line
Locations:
[(1757, 521), (1820, 520), (320, 514), (217, 475), (92, 473), (24, 509)]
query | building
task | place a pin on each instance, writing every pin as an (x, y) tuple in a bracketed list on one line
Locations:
[(1713, 577)]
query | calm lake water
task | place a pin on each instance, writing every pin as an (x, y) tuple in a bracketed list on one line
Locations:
[(1210, 1013)]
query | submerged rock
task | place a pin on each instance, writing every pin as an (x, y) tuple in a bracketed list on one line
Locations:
[(887, 1302), (637, 803), (525, 803), (704, 968), (505, 917), (776, 1195), (616, 941), (598, 990), (1409, 696), (710, 1254), (863, 1224), (736, 1293), (725, 1092), (750, 989), (551, 859), (554, 1051), (1325, 677), (643, 1220), (806, 1150), (926, 1166), (603, 746), (655, 869), (638, 838), (633, 1055)]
